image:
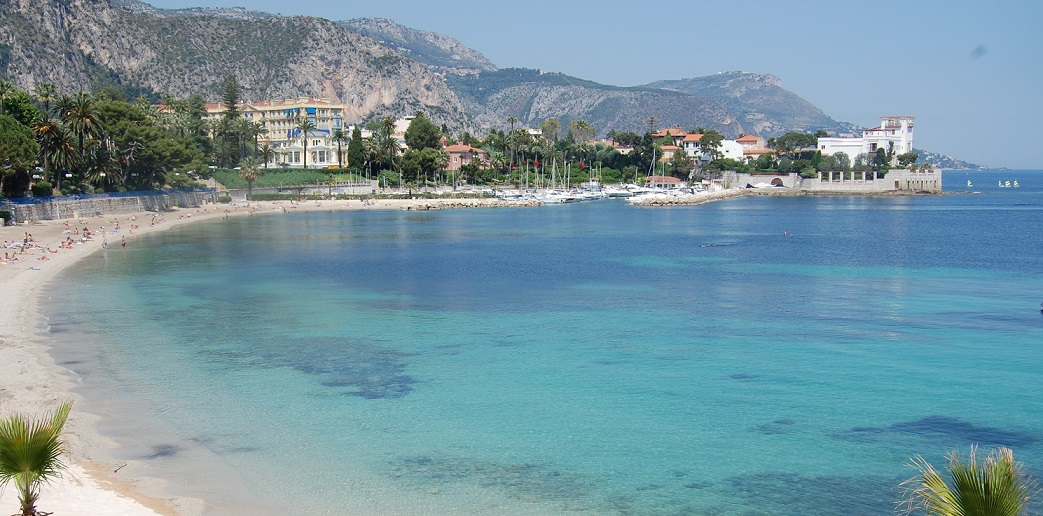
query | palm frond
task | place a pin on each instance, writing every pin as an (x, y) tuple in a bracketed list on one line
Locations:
[(30, 453), (997, 486)]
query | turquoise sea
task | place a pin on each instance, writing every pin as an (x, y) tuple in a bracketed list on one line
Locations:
[(754, 356)]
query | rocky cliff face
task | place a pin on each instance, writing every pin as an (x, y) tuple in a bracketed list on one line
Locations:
[(79, 44), (532, 96), (438, 51), (758, 102)]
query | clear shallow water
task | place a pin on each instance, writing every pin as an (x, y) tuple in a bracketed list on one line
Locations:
[(593, 357)]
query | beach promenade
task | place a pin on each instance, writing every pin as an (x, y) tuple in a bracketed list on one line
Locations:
[(32, 383)]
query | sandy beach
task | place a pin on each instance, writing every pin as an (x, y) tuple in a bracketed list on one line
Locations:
[(32, 383)]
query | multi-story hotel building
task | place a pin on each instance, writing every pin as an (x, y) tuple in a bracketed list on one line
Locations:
[(278, 120)]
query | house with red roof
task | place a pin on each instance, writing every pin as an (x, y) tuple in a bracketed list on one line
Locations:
[(460, 155)]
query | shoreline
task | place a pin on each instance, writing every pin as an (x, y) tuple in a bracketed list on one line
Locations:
[(31, 382)]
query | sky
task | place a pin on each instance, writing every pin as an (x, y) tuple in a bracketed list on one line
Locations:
[(971, 72)]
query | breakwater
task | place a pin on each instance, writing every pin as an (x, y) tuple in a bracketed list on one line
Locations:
[(75, 206), (445, 204)]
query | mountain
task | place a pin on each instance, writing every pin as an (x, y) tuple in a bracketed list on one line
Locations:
[(440, 52), (946, 162), (532, 96), (759, 103), (377, 67), (88, 44)]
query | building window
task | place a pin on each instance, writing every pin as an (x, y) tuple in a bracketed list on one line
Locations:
[(872, 147)]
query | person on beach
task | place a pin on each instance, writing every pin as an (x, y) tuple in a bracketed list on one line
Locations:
[(123, 242)]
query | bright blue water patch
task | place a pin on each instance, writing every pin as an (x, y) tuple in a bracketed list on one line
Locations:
[(754, 356)]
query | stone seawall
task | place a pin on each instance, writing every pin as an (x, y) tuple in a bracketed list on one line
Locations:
[(928, 180), (75, 207), (446, 204)]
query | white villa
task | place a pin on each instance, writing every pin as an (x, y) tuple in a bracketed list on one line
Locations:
[(895, 133)]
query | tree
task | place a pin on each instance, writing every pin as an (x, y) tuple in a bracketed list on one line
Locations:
[(138, 151), (416, 165), (30, 454), (46, 93), (793, 142), (880, 160), (267, 154), (838, 162), (387, 142), (18, 148), (908, 158), (580, 131), (551, 129), (305, 125), (231, 96), (356, 150), (422, 133), (46, 132), (339, 138), (997, 486), (20, 106), (765, 162), (467, 138), (83, 120), (249, 171), (6, 88), (710, 143), (682, 164)]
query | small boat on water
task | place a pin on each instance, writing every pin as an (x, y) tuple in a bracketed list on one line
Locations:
[(969, 185)]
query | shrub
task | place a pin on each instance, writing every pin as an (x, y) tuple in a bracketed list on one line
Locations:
[(5, 216), (42, 189), (224, 199)]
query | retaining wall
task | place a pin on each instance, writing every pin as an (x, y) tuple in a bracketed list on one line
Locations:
[(895, 180), (76, 206)]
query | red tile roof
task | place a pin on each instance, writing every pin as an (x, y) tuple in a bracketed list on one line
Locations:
[(463, 148)]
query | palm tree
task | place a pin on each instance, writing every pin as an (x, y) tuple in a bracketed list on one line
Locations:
[(388, 142), (267, 154), (221, 127), (249, 171), (83, 121), (46, 92), (306, 125), (340, 138), (246, 132), (997, 486), (62, 154), (30, 452), (46, 131)]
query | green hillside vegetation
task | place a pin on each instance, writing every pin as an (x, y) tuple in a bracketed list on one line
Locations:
[(281, 178)]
